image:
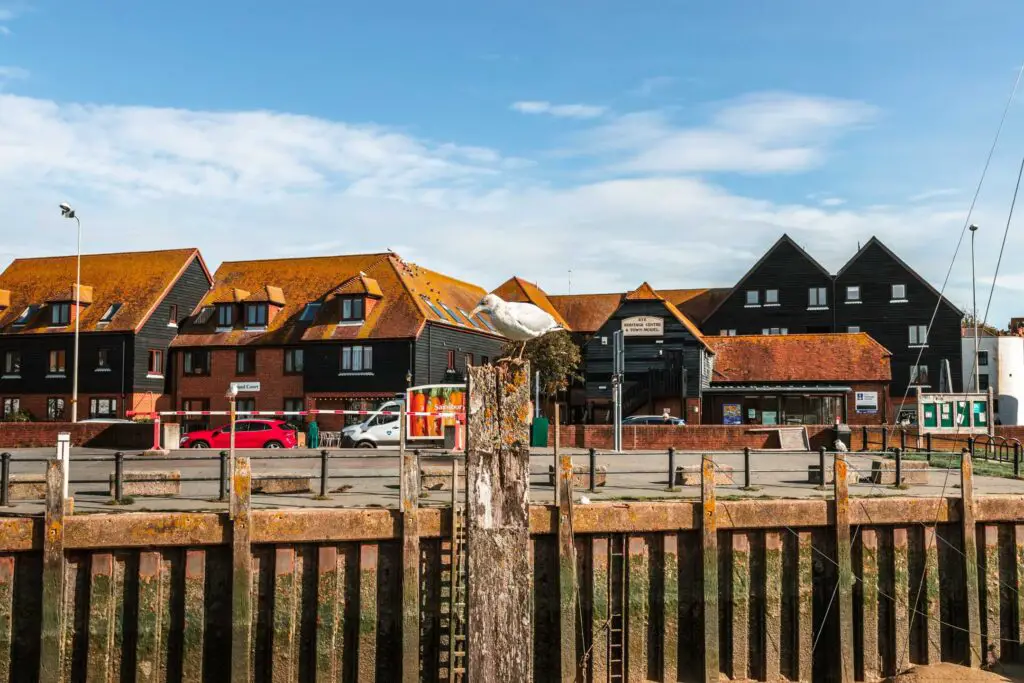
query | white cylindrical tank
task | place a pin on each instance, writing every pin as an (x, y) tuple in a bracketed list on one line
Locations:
[(1009, 384)]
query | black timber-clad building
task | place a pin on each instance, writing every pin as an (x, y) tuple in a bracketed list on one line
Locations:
[(788, 292), (129, 305)]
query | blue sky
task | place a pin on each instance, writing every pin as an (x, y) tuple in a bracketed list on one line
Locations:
[(666, 141)]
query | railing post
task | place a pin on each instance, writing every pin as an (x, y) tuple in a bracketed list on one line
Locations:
[(821, 468), (52, 615), (971, 446), (885, 438), (325, 457), (903, 440), (928, 446), (593, 470), (241, 573), (5, 480), (118, 476), (709, 568), (671, 468), (746, 467), (899, 468), (1016, 458), (223, 476), (844, 564), (865, 444)]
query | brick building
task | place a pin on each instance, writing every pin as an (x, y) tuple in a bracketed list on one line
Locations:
[(128, 310), (798, 379), (336, 332)]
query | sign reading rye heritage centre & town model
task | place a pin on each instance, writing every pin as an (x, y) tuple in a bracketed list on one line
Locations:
[(643, 326)]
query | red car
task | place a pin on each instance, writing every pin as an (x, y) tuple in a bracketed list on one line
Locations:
[(248, 434)]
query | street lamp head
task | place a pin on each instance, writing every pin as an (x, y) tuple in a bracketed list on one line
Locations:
[(973, 228), (66, 210)]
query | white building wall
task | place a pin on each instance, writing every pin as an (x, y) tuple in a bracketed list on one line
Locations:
[(989, 344)]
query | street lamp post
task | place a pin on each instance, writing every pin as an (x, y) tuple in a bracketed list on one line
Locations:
[(974, 304), (68, 212)]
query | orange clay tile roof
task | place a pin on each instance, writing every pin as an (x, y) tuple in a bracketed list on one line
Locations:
[(585, 313), (696, 304), (799, 358), (643, 293), (136, 280), (360, 284), (68, 295), (269, 294), (518, 289), (401, 312), (646, 293)]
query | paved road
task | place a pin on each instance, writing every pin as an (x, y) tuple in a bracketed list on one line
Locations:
[(362, 478)]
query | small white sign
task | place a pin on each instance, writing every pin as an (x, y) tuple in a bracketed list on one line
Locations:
[(245, 386), (867, 402), (643, 326)]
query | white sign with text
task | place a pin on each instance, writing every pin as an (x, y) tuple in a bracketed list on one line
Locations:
[(240, 387), (643, 326)]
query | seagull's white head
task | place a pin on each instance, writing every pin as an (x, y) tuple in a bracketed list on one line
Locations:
[(488, 304)]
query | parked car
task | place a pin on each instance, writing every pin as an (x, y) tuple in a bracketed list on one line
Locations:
[(652, 420), (248, 434)]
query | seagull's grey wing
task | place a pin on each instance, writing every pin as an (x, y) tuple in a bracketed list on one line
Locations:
[(532, 318)]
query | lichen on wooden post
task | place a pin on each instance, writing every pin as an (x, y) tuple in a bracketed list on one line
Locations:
[(51, 646), (901, 598), (410, 488), (498, 541), (241, 573), (670, 607), (869, 605), (709, 562), (970, 555), (566, 570), (773, 580)]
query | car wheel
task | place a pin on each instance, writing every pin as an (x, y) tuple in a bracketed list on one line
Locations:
[(272, 444), (366, 444), (199, 444)]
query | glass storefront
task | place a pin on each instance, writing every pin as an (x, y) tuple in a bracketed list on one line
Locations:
[(777, 409)]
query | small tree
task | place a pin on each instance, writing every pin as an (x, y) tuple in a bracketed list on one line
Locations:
[(557, 357)]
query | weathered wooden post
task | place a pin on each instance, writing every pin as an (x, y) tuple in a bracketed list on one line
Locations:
[(970, 560), (566, 569), (845, 573), (241, 573), (410, 490), (51, 646), (709, 561), (498, 533)]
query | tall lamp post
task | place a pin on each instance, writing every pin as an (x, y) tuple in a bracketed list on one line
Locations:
[(68, 212), (974, 304)]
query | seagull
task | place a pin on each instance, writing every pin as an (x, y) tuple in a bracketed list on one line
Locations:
[(517, 321)]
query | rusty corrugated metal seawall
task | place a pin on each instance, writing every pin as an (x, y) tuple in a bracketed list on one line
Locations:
[(148, 597)]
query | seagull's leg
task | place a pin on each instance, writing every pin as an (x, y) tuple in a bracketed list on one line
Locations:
[(521, 350)]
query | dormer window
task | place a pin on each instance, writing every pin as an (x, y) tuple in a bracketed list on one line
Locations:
[(255, 315), (352, 308), (60, 315), (225, 315)]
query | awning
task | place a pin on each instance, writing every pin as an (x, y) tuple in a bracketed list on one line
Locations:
[(768, 389)]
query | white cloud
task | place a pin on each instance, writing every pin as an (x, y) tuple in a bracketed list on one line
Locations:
[(569, 111), (933, 194), (832, 201), (649, 86), (258, 184), (764, 133), (12, 73)]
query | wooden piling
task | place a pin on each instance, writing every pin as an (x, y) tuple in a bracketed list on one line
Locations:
[(993, 588), (773, 579), (805, 607), (709, 562), (869, 605), (1018, 548), (844, 603), (670, 607), (366, 648), (638, 588), (100, 643), (932, 604), (6, 614), (330, 614), (901, 598), (970, 556), (150, 645), (740, 667), (498, 484), (194, 628), (241, 573), (566, 571), (52, 636), (284, 645), (600, 614), (410, 565)]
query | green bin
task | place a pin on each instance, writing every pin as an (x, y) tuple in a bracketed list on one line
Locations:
[(539, 432)]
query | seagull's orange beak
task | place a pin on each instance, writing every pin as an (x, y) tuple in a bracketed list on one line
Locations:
[(476, 310)]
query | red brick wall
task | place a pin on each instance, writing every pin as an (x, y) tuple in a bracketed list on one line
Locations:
[(940, 442), (884, 404), (691, 437), (275, 386), (96, 435)]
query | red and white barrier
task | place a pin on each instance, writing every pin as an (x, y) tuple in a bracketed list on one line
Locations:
[(283, 413)]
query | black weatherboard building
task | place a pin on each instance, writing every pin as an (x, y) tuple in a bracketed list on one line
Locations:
[(788, 292)]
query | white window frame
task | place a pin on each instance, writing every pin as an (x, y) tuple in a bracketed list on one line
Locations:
[(225, 311), (356, 359), (256, 315), (753, 297), (917, 336), (817, 298), (769, 300), (12, 368), (898, 298), (58, 312), (853, 329), (855, 290), (915, 376)]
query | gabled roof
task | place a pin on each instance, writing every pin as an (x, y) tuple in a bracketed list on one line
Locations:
[(585, 313), (646, 293), (799, 358), (874, 241), (359, 284), (696, 304), (784, 240), (518, 289), (643, 293), (268, 294), (138, 281), (401, 312)]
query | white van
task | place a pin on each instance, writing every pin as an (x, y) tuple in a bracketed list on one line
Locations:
[(375, 430)]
